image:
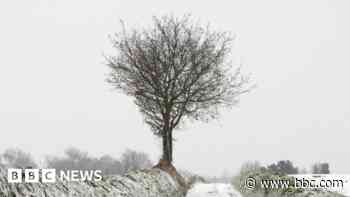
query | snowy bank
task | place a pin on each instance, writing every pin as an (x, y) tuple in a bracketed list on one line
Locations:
[(142, 183)]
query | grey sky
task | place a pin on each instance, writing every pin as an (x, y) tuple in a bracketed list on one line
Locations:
[(53, 94)]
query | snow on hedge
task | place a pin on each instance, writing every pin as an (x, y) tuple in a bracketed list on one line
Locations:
[(142, 183)]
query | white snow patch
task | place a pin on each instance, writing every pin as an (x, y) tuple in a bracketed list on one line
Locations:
[(213, 190)]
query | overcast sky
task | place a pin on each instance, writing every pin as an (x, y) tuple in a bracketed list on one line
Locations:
[(53, 92)]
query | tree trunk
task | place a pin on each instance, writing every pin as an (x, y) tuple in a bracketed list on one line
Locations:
[(167, 138), (167, 145), (170, 139)]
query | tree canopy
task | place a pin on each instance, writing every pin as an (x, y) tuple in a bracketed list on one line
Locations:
[(176, 70)]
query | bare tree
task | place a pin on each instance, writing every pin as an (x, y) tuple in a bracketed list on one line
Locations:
[(16, 158), (176, 70), (75, 159), (109, 165), (132, 160)]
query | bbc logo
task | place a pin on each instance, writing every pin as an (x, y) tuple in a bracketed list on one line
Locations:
[(31, 175)]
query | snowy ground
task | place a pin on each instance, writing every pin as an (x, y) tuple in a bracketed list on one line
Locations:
[(213, 190)]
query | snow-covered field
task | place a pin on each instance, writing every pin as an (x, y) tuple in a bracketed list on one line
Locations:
[(213, 190)]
